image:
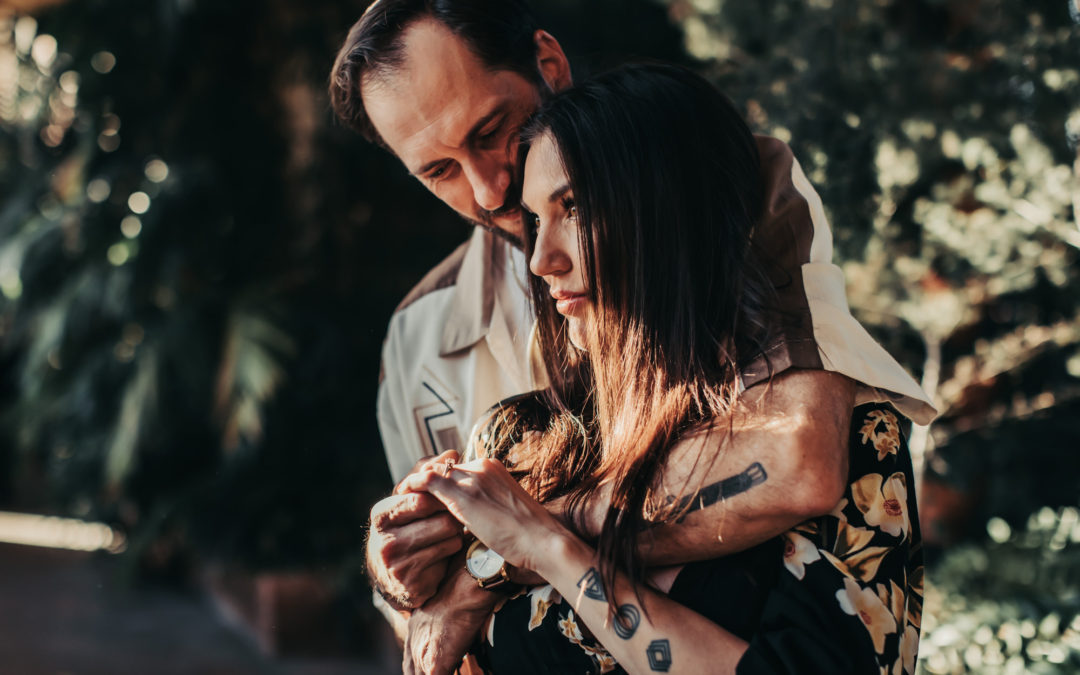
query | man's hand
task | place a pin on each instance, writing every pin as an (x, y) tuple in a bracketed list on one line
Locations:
[(441, 630), (410, 540)]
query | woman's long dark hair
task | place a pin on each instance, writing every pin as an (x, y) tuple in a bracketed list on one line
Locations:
[(665, 176)]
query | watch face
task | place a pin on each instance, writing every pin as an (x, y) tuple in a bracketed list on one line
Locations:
[(483, 563)]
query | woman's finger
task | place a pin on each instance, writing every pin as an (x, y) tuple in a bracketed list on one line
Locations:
[(418, 482), (443, 485), (426, 464)]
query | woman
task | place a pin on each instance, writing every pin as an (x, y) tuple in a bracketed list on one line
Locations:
[(650, 299)]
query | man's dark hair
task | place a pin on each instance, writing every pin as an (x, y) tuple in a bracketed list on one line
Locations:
[(499, 32)]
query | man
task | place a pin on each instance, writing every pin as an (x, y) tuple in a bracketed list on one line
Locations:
[(445, 85)]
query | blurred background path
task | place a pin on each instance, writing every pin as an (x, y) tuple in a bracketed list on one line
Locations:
[(63, 612)]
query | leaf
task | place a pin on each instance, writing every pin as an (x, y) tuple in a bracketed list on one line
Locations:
[(136, 408)]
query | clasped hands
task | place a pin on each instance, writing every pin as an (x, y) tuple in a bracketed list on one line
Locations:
[(415, 543)]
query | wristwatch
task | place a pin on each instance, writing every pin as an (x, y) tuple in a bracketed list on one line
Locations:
[(489, 568)]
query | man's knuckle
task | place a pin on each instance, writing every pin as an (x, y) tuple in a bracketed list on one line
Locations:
[(391, 548), (380, 514), (423, 500)]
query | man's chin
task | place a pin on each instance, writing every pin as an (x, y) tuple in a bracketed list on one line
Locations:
[(506, 227)]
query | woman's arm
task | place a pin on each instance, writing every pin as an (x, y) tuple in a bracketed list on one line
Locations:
[(657, 635)]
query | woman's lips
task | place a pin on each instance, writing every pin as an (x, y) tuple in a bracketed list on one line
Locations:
[(568, 304)]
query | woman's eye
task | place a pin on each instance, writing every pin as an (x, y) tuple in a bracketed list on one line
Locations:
[(536, 221), (569, 207)]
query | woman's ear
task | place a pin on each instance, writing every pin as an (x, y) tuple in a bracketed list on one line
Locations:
[(551, 61)]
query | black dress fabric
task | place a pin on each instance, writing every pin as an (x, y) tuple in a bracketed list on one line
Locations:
[(841, 593)]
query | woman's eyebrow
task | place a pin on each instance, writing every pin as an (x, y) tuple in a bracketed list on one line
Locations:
[(556, 194), (559, 192)]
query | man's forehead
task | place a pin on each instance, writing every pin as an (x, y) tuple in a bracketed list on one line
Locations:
[(437, 95), (419, 129)]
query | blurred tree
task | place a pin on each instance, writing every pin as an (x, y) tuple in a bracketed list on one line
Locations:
[(1008, 604), (943, 138), (941, 135), (197, 266)]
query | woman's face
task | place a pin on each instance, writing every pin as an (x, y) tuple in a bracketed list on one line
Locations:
[(556, 257)]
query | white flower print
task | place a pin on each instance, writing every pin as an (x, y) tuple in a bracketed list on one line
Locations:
[(883, 502), (798, 552), (541, 599), (865, 604)]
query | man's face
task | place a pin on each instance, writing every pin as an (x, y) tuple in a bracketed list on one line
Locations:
[(454, 124)]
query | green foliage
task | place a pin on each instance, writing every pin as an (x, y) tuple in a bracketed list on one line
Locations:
[(197, 267), (942, 136), (1010, 604), (164, 279)]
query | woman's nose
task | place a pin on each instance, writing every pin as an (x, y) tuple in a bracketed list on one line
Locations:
[(549, 256)]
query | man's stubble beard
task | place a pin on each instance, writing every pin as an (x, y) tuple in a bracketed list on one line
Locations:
[(512, 239), (486, 219)]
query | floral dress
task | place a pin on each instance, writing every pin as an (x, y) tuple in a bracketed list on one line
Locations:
[(841, 593)]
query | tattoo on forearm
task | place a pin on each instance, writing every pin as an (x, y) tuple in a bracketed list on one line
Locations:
[(626, 620), (659, 653), (592, 586), (720, 490)]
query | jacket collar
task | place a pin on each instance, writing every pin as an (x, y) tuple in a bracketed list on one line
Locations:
[(474, 293)]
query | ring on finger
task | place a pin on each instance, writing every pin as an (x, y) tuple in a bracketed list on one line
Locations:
[(448, 468)]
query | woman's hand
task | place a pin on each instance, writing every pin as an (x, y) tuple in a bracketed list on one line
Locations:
[(489, 502)]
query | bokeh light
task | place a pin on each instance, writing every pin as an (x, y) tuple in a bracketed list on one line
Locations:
[(156, 170), (139, 202), (98, 190), (118, 254), (131, 226), (103, 62), (43, 51)]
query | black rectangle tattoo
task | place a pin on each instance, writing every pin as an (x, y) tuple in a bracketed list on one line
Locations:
[(659, 653), (724, 489)]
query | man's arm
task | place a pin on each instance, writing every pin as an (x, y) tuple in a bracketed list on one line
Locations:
[(439, 633), (784, 461), (409, 537)]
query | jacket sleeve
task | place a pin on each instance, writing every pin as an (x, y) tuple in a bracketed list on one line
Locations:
[(394, 409)]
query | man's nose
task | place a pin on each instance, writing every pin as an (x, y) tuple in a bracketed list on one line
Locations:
[(489, 178)]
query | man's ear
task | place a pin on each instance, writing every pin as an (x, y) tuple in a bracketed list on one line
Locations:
[(551, 61)]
